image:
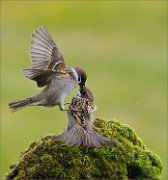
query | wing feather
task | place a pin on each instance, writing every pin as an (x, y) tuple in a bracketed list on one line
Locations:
[(43, 76), (44, 52)]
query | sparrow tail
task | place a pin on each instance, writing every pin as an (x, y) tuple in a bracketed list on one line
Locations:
[(14, 106), (78, 136)]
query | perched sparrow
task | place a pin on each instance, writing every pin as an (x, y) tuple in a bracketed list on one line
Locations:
[(49, 70), (79, 130)]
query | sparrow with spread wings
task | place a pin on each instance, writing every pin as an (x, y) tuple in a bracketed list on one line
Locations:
[(49, 71), (79, 130)]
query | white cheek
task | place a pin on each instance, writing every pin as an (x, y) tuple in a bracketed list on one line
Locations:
[(75, 75), (78, 95)]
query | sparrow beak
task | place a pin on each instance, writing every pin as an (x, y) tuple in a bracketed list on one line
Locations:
[(82, 86)]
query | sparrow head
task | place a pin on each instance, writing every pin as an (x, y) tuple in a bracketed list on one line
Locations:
[(86, 93), (81, 76)]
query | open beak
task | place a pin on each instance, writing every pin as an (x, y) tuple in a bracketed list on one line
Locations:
[(82, 86)]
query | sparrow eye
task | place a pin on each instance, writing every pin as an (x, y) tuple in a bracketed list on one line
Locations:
[(79, 79)]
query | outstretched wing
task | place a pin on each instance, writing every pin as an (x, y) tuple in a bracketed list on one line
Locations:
[(44, 52), (43, 76)]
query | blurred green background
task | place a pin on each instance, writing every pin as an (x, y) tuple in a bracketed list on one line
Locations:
[(122, 46)]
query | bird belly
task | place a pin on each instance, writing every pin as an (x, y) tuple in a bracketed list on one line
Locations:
[(58, 90)]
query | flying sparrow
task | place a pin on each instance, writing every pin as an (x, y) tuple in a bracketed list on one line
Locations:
[(49, 70), (79, 130)]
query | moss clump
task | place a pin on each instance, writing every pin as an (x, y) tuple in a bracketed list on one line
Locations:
[(126, 157)]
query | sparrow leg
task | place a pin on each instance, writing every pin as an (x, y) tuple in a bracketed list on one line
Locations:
[(67, 103), (61, 106)]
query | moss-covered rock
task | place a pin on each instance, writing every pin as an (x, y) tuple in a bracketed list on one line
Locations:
[(123, 158)]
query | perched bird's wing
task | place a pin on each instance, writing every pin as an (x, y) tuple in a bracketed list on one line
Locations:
[(80, 119), (42, 76), (44, 52)]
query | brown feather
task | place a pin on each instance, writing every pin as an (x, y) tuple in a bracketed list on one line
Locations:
[(44, 52)]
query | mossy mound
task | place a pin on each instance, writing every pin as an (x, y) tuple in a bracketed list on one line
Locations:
[(126, 157)]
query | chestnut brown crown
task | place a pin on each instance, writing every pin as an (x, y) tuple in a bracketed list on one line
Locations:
[(86, 93), (82, 75)]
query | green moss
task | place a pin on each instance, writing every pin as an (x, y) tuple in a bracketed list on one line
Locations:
[(124, 157)]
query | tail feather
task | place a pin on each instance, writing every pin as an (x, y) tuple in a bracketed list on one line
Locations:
[(71, 136), (97, 139), (78, 136), (15, 106), (94, 141)]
